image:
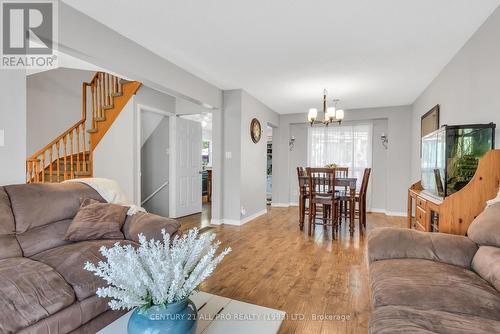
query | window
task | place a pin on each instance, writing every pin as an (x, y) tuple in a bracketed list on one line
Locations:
[(344, 145)]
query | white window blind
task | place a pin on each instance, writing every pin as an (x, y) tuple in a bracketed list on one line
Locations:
[(345, 145)]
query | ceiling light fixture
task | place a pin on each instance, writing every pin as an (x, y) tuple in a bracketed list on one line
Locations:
[(330, 114)]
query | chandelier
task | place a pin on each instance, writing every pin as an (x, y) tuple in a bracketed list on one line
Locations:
[(330, 114)]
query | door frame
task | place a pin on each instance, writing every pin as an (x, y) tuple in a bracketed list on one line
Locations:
[(144, 108)]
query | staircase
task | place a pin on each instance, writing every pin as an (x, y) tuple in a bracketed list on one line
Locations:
[(69, 155)]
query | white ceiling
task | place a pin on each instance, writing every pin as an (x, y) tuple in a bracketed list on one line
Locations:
[(284, 52)]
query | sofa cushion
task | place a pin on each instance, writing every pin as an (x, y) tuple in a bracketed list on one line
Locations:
[(486, 263), (71, 318), (430, 285), (149, 225), (9, 247), (96, 220), (30, 291), (69, 260), (397, 319), (485, 229), (39, 204)]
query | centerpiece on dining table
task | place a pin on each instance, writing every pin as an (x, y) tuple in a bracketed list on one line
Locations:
[(156, 279)]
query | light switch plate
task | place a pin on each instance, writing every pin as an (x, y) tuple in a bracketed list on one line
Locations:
[(229, 155), (2, 139)]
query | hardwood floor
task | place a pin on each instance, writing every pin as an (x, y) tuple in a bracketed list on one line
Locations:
[(274, 264)]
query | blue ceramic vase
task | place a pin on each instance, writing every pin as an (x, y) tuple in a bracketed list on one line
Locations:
[(175, 318)]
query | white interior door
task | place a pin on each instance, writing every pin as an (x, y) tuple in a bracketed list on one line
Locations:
[(186, 176)]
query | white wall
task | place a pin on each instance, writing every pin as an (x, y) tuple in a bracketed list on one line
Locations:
[(115, 154), (13, 123), (254, 156), (391, 166), (231, 185), (244, 177), (54, 104), (467, 89)]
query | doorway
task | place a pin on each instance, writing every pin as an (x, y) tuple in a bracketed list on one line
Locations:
[(206, 155), (269, 165), (154, 161)]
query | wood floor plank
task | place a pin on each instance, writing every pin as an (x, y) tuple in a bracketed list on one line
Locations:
[(321, 283)]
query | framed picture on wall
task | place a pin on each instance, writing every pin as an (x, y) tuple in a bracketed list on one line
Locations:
[(255, 130), (430, 121)]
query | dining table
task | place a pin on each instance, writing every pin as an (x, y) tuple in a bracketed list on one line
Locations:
[(347, 182)]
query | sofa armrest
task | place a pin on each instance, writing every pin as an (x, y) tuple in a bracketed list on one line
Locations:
[(400, 243), (150, 225)]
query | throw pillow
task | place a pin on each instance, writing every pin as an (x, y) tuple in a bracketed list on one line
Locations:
[(485, 229), (95, 220)]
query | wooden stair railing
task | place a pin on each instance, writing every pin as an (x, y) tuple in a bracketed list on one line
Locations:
[(70, 155)]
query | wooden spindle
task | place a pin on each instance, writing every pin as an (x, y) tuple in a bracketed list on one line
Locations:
[(106, 89), (28, 171), (103, 99), (65, 140), (93, 90), (71, 171), (77, 149), (37, 171), (43, 167), (51, 154), (98, 101), (84, 149), (58, 167)]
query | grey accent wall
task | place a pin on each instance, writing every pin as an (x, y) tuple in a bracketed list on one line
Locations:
[(254, 155), (155, 169), (231, 175), (13, 122), (391, 166), (54, 103), (244, 176), (467, 89)]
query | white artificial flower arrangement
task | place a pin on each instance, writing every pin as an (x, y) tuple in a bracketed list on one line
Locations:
[(156, 273)]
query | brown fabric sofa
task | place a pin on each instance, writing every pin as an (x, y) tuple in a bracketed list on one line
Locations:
[(436, 283), (43, 286)]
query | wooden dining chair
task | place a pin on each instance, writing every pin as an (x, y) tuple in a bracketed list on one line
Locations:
[(322, 195), (303, 196), (342, 173), (361, 197)]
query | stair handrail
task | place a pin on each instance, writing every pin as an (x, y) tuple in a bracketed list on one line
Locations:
[(52, 143), (154, 193), (104, 87)]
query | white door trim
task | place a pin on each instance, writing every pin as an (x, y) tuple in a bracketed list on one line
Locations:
[(140, 109)]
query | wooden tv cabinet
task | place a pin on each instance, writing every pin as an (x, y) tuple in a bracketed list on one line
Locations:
[(456, 212)]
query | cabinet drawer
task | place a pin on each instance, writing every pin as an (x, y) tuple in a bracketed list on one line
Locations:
[(420, 219), (420, 214), (419, 226), (421, 202)]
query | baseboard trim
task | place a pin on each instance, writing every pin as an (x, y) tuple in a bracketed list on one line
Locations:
[(216, 221), (388, 213), (252, 217), (236, 222), (396, 213), (280, 205), (294, 204)]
